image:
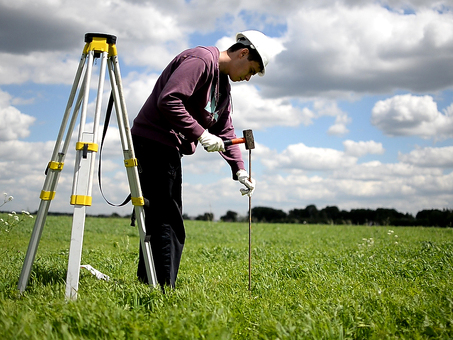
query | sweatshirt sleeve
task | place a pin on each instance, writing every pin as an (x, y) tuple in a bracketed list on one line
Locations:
[(183, 82), (224, 129)]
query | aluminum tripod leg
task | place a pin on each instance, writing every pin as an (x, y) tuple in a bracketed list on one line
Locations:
[(50, 184), (131, 166), (83, 175)]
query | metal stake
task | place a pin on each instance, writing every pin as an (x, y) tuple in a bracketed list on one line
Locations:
[(250, 223)]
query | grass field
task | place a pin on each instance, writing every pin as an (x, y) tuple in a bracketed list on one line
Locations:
[(308, 282)]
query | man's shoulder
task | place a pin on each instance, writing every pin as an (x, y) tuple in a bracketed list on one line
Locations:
[(207, 53)]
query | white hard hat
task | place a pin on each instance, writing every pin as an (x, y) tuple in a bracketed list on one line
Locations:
[(257, 41)]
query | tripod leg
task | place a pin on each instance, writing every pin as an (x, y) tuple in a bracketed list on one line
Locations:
[(50, 184), (131, 167), (33, 245), (83, 178), (78, 226), (80, 203)]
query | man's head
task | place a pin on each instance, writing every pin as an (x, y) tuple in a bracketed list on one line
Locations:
[(253, 54), (248, 56), (243, 63), (258, 45)]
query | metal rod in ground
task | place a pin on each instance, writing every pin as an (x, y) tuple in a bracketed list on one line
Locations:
[(250, 223), (250, 244)]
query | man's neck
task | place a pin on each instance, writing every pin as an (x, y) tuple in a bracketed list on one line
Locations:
[(224, 62)]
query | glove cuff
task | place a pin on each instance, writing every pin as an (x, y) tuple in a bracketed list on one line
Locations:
[(203, 135), (241, 172)]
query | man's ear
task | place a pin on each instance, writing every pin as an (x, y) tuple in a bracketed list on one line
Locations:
[(244, 52)]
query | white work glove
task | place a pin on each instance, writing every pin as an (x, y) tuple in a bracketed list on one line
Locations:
[(210, 142), (243, 177), (95, 272)]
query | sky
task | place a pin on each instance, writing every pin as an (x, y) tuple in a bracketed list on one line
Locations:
[(355, 110)]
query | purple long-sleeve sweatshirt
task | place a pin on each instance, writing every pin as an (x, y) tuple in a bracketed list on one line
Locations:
[(190, 96)]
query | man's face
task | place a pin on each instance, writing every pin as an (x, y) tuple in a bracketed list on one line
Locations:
[(243, 69)]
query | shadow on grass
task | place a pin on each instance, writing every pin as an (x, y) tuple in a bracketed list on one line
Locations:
[(46, 274)]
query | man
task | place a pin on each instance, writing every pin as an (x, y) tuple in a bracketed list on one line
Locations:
[(190, 103)]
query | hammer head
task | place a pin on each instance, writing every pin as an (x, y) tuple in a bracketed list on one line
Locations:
[(249, 140)]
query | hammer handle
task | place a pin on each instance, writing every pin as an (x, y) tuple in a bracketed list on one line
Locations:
[(233, 141)]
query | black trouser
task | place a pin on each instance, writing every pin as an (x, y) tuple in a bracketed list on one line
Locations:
[(160, 176)]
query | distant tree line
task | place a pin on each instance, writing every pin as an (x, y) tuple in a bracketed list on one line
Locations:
[(328, 215), (333, 215)]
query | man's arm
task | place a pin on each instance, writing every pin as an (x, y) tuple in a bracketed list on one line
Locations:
[(182, 83), (225, 130)]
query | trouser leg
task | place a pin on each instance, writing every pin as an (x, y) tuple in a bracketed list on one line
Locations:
[(161, 183)]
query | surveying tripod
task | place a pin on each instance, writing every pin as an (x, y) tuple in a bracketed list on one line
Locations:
[(97, 46)]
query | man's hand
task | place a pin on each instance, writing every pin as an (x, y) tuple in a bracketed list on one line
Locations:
[(243, 177), (210, 142)]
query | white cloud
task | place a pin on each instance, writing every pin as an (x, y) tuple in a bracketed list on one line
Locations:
[(39, 67), (204, 163), (22, 166), (32, 155), (329, 48), (359, 149), (409, 115), (381, 172), (274, 46), (414, 4), (137, 88), (46, 49), (401, 186), (429, 157), (337, 49), (14, 123), (330, 108), (339, 128), (301, 157), (370, 185), (252, 111)]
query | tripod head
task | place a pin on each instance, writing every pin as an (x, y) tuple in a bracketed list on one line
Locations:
[(111, 39)]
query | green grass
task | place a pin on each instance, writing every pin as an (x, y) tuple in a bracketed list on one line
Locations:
[(308, 282)]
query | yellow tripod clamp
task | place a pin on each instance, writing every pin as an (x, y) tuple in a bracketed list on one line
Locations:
[(99, 43)]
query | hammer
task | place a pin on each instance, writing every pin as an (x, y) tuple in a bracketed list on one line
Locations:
[(249, 142)]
